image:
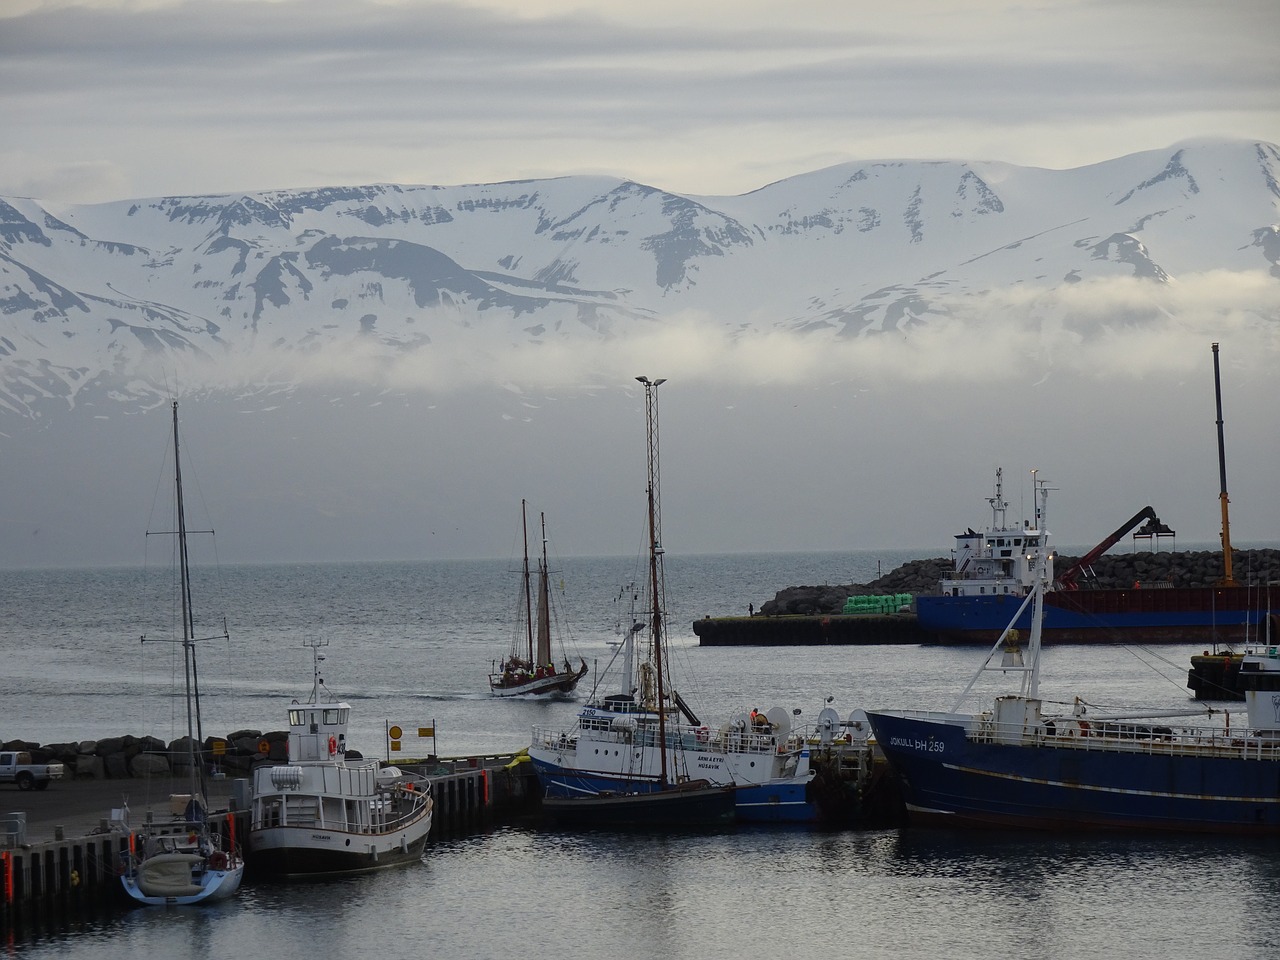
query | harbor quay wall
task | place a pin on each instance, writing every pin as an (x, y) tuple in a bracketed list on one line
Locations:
[(60, 857), (818, 630)]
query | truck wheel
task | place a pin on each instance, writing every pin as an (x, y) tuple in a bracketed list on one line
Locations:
[(25, 780)]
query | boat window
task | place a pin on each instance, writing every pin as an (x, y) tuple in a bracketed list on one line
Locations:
[(331, 716), (295, 718)]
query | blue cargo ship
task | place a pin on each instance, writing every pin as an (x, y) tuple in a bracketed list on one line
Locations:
[(1018, 764), (994, 572)]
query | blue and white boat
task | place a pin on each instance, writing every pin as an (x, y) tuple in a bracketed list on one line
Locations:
[(1021, 764), (644, 738)]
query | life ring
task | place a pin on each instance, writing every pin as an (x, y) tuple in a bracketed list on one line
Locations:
[(333, 745), (704, 733), (217, 860), (264, 746), (1084, 728)]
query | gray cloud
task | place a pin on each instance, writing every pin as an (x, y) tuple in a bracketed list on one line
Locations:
[(322, 92)]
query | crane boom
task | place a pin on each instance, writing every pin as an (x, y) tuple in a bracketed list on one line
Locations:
[(1154, 527)]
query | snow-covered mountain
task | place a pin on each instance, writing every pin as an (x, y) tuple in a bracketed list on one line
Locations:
[(100, 297)]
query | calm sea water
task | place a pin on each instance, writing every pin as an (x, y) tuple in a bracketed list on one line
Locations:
[(411, 643)]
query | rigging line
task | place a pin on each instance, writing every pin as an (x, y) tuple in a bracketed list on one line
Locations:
[(1133, 652)]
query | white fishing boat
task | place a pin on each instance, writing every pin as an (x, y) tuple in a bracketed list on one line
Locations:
[(645, 739), (328, 810), (529, 667), (180, 860)]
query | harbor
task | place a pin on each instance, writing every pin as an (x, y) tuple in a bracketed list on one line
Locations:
[(63, 850), (469, 871)]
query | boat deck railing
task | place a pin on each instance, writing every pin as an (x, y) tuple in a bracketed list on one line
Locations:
[(1152, 737), (394, 807), (733, 741)]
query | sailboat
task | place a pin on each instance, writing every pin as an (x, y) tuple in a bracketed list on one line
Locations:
[(1020, 764), (183, 861), (641, 755), (529, 668)]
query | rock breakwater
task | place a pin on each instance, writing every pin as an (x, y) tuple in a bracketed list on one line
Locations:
[(147, 757)]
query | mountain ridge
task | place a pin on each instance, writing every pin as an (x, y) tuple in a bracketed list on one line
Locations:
[(101, 295)]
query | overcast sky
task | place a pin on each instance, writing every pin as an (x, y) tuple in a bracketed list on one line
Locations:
[(115, 99), (112, 99)]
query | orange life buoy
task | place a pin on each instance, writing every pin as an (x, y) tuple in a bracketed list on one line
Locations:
[(1084, 728), (333, 745), (217, 860)]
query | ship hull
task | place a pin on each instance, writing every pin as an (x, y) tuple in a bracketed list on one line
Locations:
[(670, 807), (1170, 615), (765, 792), (310, 852), (947, 778)]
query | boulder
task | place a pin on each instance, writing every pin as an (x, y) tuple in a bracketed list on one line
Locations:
[(148, 766), (117, 765), (90, 766), (108, 746)]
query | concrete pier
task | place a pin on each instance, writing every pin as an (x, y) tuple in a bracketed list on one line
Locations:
[(818, 630), (60, 852)]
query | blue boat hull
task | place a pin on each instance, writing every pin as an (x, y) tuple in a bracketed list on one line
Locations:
[(946, 778), (784, 801), (781, 801), (707, 806), (1154, 615)]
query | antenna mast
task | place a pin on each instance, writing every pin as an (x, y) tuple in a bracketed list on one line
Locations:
[(1228, 580), (655, 560)]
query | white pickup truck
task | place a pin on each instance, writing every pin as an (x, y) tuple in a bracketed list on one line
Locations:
[(16, 767)]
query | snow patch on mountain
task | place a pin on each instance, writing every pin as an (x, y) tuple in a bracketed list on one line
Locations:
[(109, 296)]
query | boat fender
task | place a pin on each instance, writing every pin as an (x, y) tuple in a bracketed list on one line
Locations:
[(333, 746)]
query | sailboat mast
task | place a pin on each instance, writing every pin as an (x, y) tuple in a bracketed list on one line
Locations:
[(544, 602), (528, 598), (1228, 579), (655, 561), (188, 620)]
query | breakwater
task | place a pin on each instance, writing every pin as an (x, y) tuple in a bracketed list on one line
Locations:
[(150, 758)]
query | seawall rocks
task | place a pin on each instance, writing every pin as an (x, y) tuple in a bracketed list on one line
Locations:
[(146, 757)]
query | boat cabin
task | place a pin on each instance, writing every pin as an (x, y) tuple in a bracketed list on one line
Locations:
[(318, 731)]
